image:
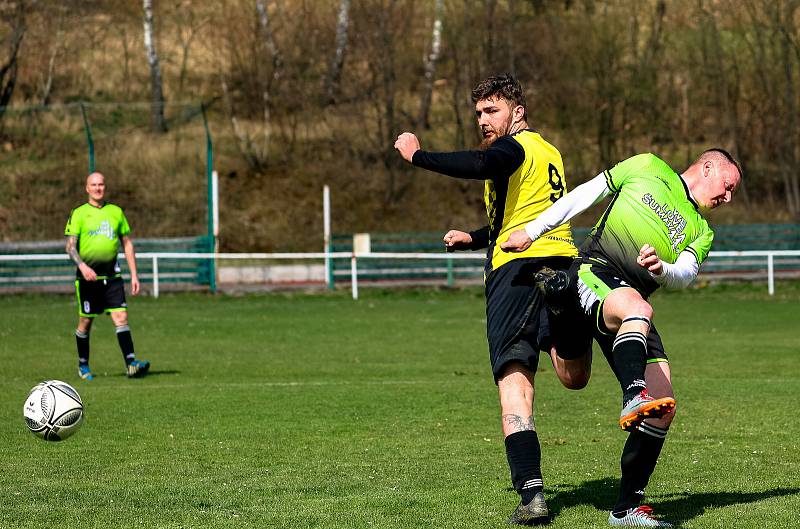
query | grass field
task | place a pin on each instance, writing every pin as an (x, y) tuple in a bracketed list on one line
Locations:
[(318, 411)]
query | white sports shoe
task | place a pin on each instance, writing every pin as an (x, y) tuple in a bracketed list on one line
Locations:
[(641, 516), (643, 406)]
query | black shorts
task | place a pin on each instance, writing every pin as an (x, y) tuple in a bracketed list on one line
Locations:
[(97, 297), (590, 282), (516, 319)]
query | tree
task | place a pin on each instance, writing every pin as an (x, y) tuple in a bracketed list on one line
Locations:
[(158, 123), (430, 64), (15, 14), (268, 81), (335, 70)]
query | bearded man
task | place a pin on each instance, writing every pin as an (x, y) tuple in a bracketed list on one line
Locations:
[(523, 175)]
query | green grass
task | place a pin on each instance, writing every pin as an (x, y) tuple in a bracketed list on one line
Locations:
[(306, 410)]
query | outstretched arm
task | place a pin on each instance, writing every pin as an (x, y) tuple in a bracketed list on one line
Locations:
[(576, 201), (72, 250), (499, 161), (130, 257)]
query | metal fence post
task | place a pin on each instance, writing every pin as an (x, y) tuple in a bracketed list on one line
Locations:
[(155, 276), (770, 274), (450, 273), (354, 275)]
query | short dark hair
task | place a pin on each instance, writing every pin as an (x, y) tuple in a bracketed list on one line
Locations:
[(719, 154), (505, 86)]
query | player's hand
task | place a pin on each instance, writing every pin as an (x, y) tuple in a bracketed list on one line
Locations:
[(407, 144), (456, 240), (135, 286), (87, 272), (650, 260), (518, 241)]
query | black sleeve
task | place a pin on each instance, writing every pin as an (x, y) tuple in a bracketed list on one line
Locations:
[(480, 238), (497, 162)]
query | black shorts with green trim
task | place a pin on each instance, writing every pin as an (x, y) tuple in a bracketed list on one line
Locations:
[(591, 281), (516, 319), (102, 295)]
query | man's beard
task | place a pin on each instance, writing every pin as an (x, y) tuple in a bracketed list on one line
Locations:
[(487, 142)]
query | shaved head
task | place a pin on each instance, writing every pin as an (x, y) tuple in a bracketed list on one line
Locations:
[(95, 175), (721, 157), (96, 188), (713, 178)]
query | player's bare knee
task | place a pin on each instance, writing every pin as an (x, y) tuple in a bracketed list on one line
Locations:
[(641, 309), (84, 324), (515, 386), (119, 318), (574, 379)]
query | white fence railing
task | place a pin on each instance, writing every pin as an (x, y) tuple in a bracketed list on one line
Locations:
[(769, 263)]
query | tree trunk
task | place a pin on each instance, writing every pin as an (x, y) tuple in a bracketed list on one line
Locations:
[(790, 111), (158, 123), (47, 85), (243, 142), (9, 68), (430, 65), (335, 70), (126, 62), (268, 80)]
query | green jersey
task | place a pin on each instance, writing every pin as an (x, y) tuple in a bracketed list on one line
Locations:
[(650, 205), (98, 230)]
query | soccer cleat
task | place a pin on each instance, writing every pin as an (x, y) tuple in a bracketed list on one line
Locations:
[(85, 373), (138, 368), (533, 513), (641, 516), (643, 406), (553, 284)]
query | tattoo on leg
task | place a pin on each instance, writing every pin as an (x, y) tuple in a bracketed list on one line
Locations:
[(519, 423)]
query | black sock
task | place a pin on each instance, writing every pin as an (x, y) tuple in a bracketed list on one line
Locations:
[(126, 343), (630, 359), (524, 458), (638, 462), (82, 339)]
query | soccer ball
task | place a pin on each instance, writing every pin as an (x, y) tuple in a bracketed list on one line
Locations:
[(53, 410)]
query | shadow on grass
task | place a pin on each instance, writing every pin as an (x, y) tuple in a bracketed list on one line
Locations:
[(676, 508), (152, 373)]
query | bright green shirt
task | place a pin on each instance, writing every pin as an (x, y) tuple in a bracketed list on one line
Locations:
[(650, 205), (99, 230)]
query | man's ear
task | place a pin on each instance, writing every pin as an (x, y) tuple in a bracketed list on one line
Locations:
[(518, 112), (708, 165)]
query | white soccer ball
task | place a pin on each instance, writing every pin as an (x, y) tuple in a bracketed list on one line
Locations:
[(53, 410)]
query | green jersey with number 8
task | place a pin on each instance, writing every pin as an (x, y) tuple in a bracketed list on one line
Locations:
[(98, 230)]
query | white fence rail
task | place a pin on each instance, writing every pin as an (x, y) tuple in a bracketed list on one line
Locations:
[(769, 262)]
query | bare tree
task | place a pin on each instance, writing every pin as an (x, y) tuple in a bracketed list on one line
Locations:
[(430, 65), (15, 15), (785, 25), (58, 46), (268, 81), (335, 70), (189, 25), (158, 123), (244, 143)]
